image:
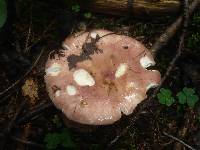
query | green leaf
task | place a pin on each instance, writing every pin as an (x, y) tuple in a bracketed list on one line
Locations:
[(188, 91), (169, 101), (66, 139), (187, 95), (181, 98), (76, 8), (87, 15), (192, 99), (52, 140), (165, 97), (3, 12), (166, 92), (161, 98)]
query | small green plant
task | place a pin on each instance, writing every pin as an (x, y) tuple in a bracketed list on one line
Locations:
[(76, 8), (186, 96), (196, 20), (165, 97), (3, 12), (194, 37), (88, 15), (54, 140), (194, 40)]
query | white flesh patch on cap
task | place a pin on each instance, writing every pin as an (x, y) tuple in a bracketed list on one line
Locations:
[(65, 46), (57, 93), (54, 70), (83, 78), (71, 90), (146, 62), (121, 70), (93, 35), (151, 85)]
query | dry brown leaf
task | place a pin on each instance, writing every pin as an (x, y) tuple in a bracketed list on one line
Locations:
[(30, 89)]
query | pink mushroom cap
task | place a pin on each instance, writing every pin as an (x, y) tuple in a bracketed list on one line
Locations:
[(98, 76)]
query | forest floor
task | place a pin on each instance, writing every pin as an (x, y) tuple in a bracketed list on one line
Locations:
[(28, 120)]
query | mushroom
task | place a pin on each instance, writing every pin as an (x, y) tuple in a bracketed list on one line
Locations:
[(99, 76)]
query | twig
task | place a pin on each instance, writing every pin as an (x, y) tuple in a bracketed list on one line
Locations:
[(183, 131), (178, 140), (29, 30), (24, 76), (12, 122), (170, 32), (30, 143), (4, 99), (34, 112), (41, 37)]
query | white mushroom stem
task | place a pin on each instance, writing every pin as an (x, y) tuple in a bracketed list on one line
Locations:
[(83, 78), (121, 70), (146, 62)]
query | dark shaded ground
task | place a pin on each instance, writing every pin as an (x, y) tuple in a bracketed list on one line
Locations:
[(35, 25)]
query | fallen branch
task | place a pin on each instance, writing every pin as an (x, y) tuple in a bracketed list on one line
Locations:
[(137, 8)]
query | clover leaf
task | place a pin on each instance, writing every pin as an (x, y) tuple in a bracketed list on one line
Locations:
[(76, 8), (187, 95), (165, 97), (181, 98)]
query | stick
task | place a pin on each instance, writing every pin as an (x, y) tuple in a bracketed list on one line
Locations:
[(178, 140), (30, 143)]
